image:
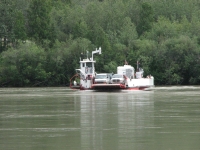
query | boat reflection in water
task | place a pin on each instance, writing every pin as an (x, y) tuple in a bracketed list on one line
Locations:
[(115, 120)]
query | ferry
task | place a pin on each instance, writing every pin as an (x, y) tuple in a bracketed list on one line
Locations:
[(126, 78)]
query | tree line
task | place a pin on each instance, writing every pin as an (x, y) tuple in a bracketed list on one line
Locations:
[(41, 40)]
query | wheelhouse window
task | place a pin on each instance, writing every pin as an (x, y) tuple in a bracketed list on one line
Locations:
[(88, 64)]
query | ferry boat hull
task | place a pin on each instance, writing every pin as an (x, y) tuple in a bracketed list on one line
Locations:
[(111, 87)]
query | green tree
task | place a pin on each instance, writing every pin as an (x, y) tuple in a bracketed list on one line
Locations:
[(39, 23), (64, 2), (19, 27), (80, 29), (181, 55), (164, 29), (127, 35), (111, 67), (22, 5), (175, 9), (146, 18), (23, 66), (7, 10)]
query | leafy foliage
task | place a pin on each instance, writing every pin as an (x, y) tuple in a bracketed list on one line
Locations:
[(146, 18), (39, 26), (24, 66), (41, 40), (6, 24)]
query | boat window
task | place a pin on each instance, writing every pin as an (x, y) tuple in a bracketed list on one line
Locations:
[(83, 64), (89, 64), (117, 76), (102, 76)]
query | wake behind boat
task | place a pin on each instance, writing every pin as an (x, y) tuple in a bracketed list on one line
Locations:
[(126, 77)]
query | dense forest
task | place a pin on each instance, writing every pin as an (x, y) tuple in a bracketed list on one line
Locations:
[(41, 40)]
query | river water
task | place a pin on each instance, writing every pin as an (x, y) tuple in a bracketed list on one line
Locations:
[(167, 118)]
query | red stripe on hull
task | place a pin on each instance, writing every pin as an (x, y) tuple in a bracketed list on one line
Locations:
[(137, 88), (110, 87)]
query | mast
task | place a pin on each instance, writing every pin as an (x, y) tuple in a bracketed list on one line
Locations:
[(96, 51)]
